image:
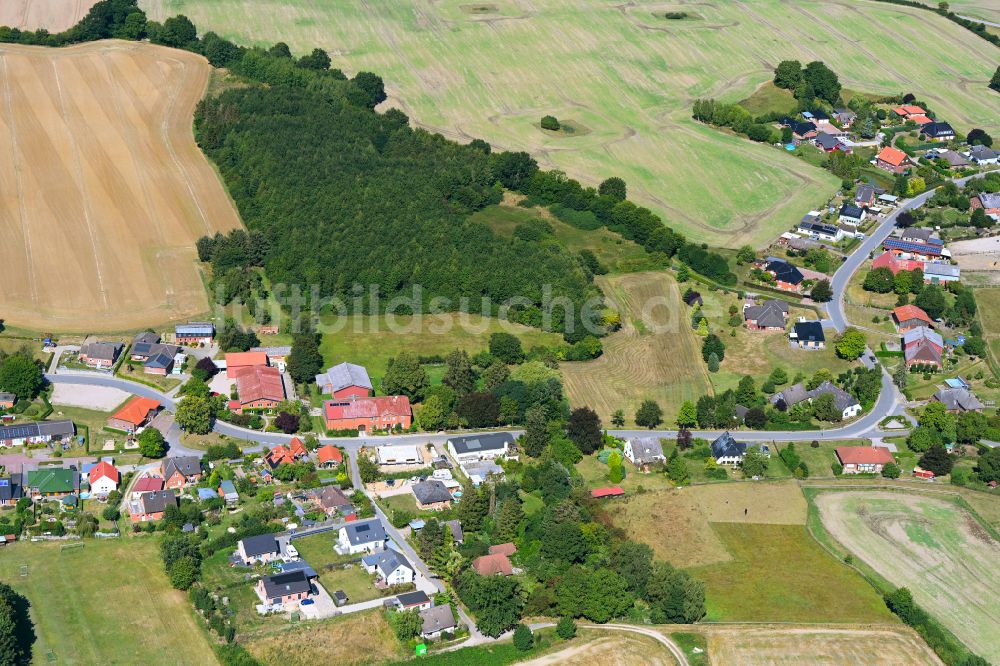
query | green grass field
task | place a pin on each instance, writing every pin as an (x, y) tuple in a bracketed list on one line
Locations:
[(106, 603), (933, 547), (780, 574), (630, 77)]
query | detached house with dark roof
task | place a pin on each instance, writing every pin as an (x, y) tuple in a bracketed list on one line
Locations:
[(958, 400), (258, 549), (431, 495), (389, 566), (150, 506), (851, 215), (727, 451), (786, 276), (362, 537), (284, 588), (35, 432), (938, 131), (157, 358), (864, 196), (807, 335), (180, 471), (100, 355), (769, 315), (846, 404), (486, 446)]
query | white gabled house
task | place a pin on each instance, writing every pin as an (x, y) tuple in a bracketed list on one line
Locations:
[(362, 537)]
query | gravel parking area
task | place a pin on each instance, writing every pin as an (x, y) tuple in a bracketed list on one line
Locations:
[(100, 398)]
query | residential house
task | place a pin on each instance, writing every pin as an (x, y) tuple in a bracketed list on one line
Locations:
[(298, 449), (989, 202), (954, 160), (604, 493), (259, 387), (957, 400), (644, 451), (829, 142), (431, 495), (727, 451), (918, 235), (864, 196), (150, 506), (400, 454), (10, 490), (908, 111), (786, 276), (480, 470), (368, 414), (284, 588), (845, 117), (103, 479), (457, 535), (863, 459), (789, 397), (36, 432), (134, 414), (236, 362), (180, 471), (983, 155), (472, 448), (389, 566), (436, 621), (413, 601), (331, 500), (939, 273), (345, 380), (769, 315), (820, 231), (923, 352), (938, 131), (279, 455), (919, 333), (807, 335), (194, 334), (895, 264), (157, 358), (892, 159), (846, 404), (851, 214), (258, 549), (100, 355), (804, 131), (362, 537), (7, 400), (909, 316), (227, 490), (493, 564), (329, 456), (276, 356), (930, 251), (146, 484)]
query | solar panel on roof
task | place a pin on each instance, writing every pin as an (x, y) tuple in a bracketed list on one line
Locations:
[(473, 444), (363, 528), (4, 482)]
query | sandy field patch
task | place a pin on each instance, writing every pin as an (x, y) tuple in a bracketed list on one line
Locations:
[(937, 550), (980, 254), (53, 15), (616, 649), (99, 398), (780, 646), (105, 191), (675, 523)]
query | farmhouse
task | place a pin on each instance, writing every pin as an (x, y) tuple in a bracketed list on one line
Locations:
[(284, 588), (258, 549), (892, 159), (259, 388), (922, 352), (345, 380), (150, 506), (35, 432), (362, 537), (863, 459), (909, 316), (990, 203), (100, 354), (329, 456), (480, 447), (103, 478), (932, 250), (727, 451), (431, 495), (390, 567), (180, 471), (957, 400), (437, 620), (770, 315), (807, 335), (237, 361), (194, 333), (644, 451), (938, 131), (851, 215), (400, 454), (894, 264), (134, 414), (368, 414), (52, 482), (864, 196), (786, 276)]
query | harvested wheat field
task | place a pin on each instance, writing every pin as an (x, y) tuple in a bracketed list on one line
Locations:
[(655, 355), (358, 638), (675, 523), (762, 645), (931, 546), (104, 189), (597, 648), (53, 15)]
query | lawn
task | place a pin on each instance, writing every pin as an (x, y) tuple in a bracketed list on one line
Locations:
[(318, 550), (988, 302), (95, 422), (778, 573), (165, 384), (655, 355), (819, 459), (372, 341), (358, 638), (88, 613), (631, 78), (355, 582), (930, 545)]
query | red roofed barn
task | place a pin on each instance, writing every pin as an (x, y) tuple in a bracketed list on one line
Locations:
[(259, 387), (910, 316), (367, 414)]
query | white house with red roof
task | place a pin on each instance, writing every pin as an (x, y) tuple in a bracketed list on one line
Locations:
[(863, 459), (104, 478)]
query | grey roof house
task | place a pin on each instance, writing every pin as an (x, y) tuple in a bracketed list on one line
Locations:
[(437, 620), (727, 451), (767, 315), (368, 535), (480, 447), (808, 335), (958, 400), (642, 451), (431, 493)]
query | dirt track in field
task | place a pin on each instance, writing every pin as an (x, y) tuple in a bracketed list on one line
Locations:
[(53, 15), (104, 191)]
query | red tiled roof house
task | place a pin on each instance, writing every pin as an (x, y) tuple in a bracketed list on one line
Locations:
[(892, 159), (259, 387), (134, 414), (367, 414), (329, 456), (863, 459), (909, 317)]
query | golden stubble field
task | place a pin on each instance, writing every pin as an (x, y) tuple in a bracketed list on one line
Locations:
[(53, 15), (104, 190)]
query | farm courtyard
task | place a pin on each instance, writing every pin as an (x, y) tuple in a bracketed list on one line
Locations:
[(626, 77), (105, 191)]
